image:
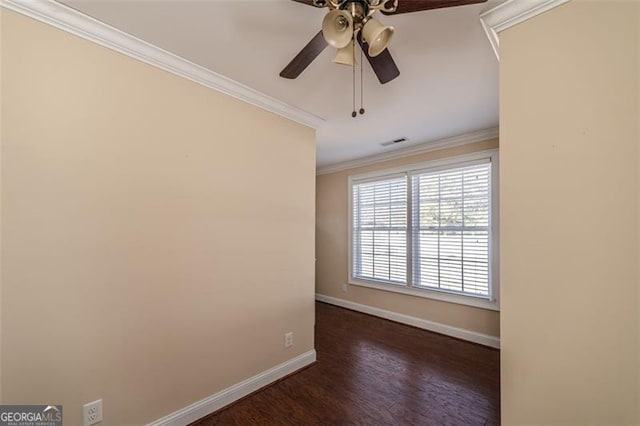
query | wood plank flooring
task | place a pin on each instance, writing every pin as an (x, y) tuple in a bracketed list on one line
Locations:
[(372, 371)]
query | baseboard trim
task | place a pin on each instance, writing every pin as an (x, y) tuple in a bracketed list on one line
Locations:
[(460, 333), (233, 393)]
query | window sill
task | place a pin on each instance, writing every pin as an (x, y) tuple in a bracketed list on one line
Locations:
[(430, 294)]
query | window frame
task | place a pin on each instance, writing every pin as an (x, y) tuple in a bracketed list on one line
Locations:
[(376, 179), (493, 301)]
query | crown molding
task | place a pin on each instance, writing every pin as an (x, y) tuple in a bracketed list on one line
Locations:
[(510, 13), (467, 138), (70, 20)]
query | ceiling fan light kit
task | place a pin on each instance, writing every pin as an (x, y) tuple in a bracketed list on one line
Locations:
[(337, 28), (346, 55), (377, 36), (349, 21)]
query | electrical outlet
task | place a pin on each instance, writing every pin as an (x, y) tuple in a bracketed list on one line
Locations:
[(344, 288), (92, 413), (288, 339)]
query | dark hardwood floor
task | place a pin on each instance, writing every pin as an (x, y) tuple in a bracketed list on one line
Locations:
[(376, 372)]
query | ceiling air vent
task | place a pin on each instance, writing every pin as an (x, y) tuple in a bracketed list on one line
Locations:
[(393, 142)]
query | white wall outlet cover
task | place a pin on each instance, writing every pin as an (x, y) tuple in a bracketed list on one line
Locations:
[(344, 288), (92, 413), (288, 339)]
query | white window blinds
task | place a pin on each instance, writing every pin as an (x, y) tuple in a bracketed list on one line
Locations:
[(451, 229), (379, 214)]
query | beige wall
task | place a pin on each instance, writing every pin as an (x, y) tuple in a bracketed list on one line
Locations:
[(569, 210), (332, 258), (158, 242)]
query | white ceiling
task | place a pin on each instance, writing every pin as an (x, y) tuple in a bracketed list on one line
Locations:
[(448, 83)]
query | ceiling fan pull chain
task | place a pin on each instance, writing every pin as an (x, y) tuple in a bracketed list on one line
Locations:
[(354, 113), (361, 86)]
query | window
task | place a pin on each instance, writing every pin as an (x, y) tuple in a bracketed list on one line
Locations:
[(428, 230), (380, 230)]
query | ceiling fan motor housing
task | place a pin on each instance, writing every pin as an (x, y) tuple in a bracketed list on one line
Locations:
[(370, 6)]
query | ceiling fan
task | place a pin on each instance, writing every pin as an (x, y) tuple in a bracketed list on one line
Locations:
[(351, 20)]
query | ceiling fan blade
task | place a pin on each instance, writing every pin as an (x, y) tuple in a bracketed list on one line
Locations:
[(305, 57), (408, 6), (383, 64), (308, 2)]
